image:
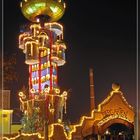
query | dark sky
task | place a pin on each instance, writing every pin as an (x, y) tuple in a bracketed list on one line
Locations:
[(99, 34)]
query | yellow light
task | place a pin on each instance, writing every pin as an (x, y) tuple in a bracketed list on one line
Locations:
[(46, 90), (54, 23), (65, 93), (20, 4), (32, 90), (64, 5), (54, 9), (35, 26), (59, 121), (21, 94), (24, 134), (57, 90), (111, 117), (51, 128), (38, 20)]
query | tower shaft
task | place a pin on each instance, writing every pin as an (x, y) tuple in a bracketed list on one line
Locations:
[(42, 43), (92, 94)]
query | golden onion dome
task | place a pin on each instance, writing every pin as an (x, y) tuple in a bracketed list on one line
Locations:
[(52, 10)]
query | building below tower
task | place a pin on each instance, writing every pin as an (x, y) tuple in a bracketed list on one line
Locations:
[(112, 120)]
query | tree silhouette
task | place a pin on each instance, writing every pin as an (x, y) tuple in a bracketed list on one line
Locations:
[(7, 65)]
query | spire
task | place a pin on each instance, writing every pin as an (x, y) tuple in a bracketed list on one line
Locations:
[(92, 96)]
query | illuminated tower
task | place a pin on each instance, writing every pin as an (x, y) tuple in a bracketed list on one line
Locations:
[(44, 48)]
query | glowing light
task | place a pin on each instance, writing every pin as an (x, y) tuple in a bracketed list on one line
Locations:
[(32, 90), (64, 5), (54, 9), (24, 134), (38, 21), (40, 4), (107, 132), (109, 97), (57, 91), (34, 7), (59, 121), (103, 121), (120, 133), (20, 94), (30, 10), (20, 4)]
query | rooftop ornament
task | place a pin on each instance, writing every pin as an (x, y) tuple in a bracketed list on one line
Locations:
[(51, 10), (115, 87)]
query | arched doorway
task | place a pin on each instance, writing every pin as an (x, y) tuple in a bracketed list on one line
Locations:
[(118, 131)]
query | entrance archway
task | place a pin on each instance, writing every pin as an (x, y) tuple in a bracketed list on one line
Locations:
[(118, 131)]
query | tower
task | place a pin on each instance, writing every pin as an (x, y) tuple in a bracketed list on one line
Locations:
[(92, 95), (42, 43)]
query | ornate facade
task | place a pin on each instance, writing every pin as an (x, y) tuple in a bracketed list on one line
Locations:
[(112, 111), (44, 104)]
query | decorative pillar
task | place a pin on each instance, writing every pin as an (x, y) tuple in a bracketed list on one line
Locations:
[(51, 67), (39, 72)]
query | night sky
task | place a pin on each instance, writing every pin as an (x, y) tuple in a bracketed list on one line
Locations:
[(99, 34)]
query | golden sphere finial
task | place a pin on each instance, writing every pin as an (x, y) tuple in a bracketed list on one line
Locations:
[(115, 86)]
